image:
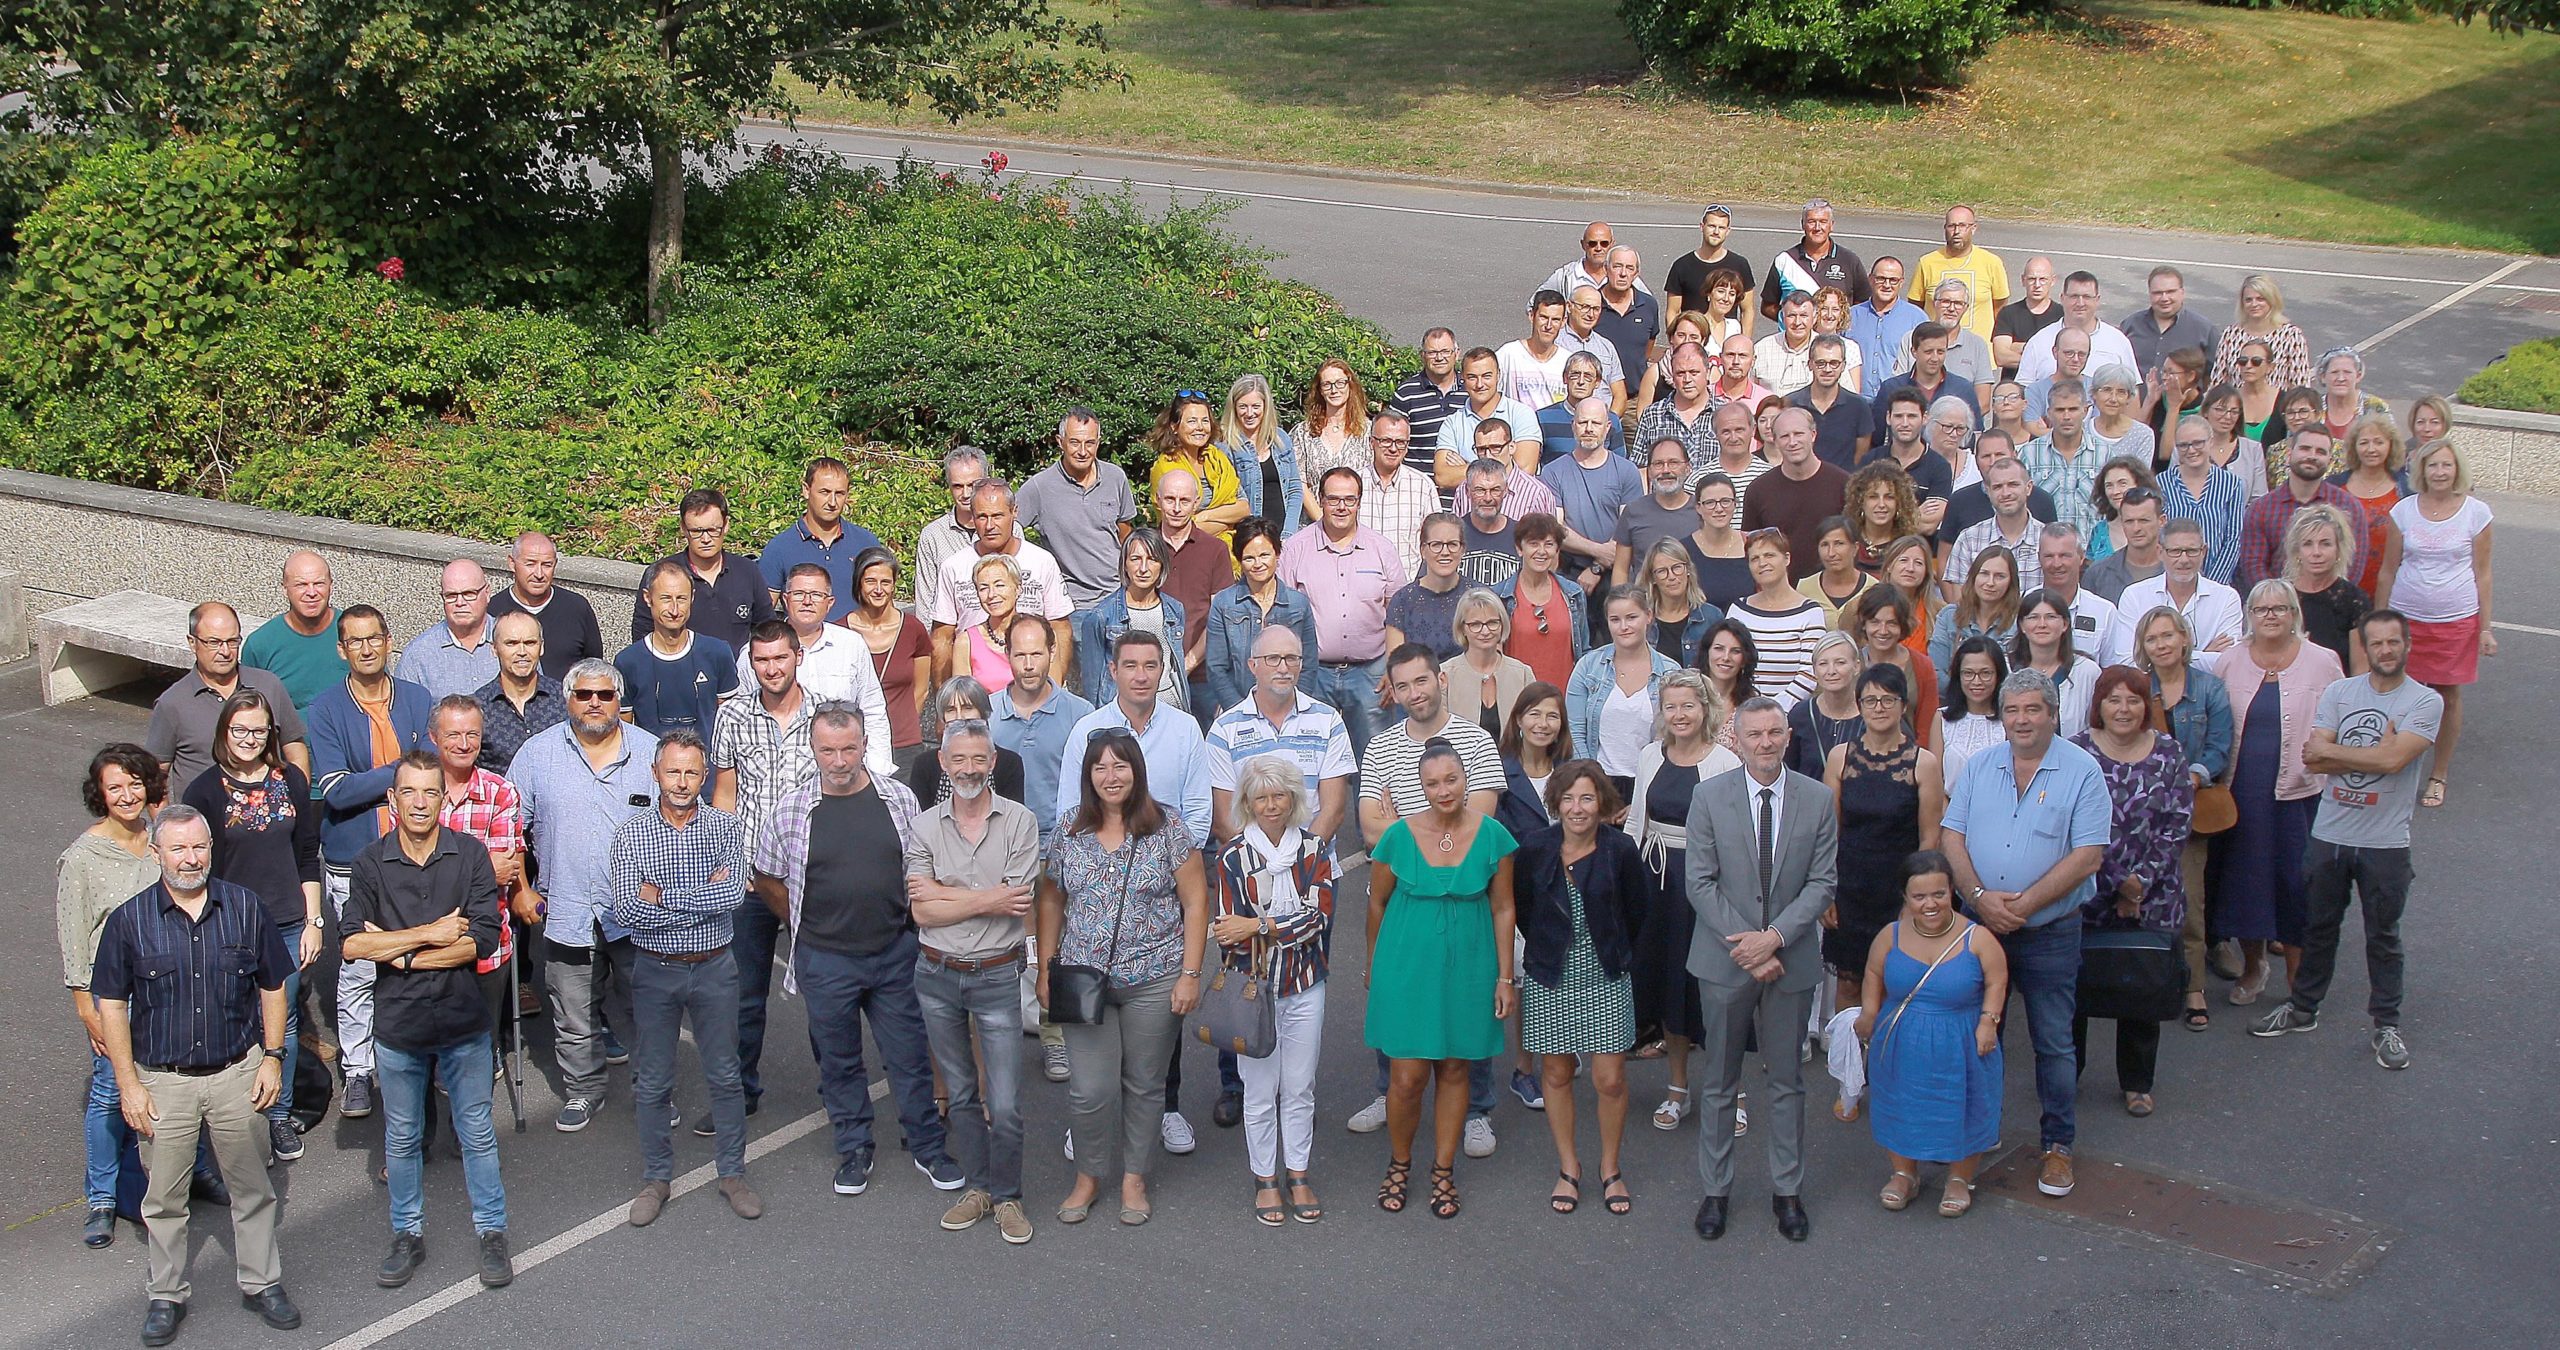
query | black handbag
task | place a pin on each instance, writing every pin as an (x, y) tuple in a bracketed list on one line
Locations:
[(1075, 992), (2131, 975)]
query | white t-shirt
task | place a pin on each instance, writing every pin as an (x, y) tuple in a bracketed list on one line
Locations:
[(2434, 583), (1533, 382), (954, 600), (1626, 728)]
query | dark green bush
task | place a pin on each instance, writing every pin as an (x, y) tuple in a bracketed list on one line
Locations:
[(2353, 9), (1795, 46)]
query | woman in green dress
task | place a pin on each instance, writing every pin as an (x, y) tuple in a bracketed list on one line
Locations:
[(1440, 974)]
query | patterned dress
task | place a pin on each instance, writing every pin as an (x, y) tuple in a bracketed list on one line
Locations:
[(2155, 802), (1587, 1012)]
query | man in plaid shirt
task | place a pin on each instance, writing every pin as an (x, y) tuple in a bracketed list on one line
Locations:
[(486, 807), (676, 876), (760, 750)]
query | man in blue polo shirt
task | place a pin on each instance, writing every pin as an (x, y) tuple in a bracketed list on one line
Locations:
[(674, 677), (819, 536), (2025, 827)]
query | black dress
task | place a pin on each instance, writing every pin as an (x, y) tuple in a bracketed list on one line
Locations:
[(1726, 581), (1666, 993), (1879, 827), (1815, 733)]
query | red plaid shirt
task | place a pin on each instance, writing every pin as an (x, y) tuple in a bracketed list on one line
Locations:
[(490, 811)]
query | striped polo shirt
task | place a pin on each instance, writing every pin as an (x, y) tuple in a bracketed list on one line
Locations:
[(1312, 735)]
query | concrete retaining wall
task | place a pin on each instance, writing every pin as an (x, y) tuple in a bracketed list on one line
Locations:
[(2509, 451), (70, 541)]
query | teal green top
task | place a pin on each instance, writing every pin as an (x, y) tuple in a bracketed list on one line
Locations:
[(306, 665)]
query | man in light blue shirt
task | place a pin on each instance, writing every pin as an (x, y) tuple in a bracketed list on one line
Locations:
[(2024, 830), (1177, 757), (1881, 324), (1480, 372), (580, 780), (1033, 717)]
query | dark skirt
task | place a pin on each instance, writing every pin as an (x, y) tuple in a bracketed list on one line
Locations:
[(2253, 871), (1666, 993)]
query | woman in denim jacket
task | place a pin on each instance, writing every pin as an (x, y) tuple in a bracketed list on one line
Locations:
[(1143, 557), (2198, 705), (1238, 614), (1256, 445)]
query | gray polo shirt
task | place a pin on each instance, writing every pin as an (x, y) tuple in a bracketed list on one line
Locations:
[(1080, 526), (181, 732), (1008, 854)]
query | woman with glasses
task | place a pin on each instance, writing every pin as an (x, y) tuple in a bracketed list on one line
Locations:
[(2197, 489), (1238, 614), (1684, 753), (1265, 459), (1333, 432), (1123, 893), (1183, 438), (2009, 415), (1681, 612), (266, 837), (1969, 705), (1890, 794), (1426, 610), (1715, 547), (1485, 682), (2261, 320), (2043, 644), (2296, 408), (2225, 415), (1882, 623), (901, 650), (2254, 873), (2195, 709)]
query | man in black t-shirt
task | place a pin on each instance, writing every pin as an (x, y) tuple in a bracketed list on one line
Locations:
[(2031, 313), (1686, 287), (1812, 263)]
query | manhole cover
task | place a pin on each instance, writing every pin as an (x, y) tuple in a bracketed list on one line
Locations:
[(2282, 1240)]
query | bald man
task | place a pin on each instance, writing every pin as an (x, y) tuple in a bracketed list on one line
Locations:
[(1200, 567), (570, 633), (1590, 267), (456, 656), (300, 646)]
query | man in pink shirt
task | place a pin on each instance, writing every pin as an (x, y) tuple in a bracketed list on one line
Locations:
[(1349, 571)]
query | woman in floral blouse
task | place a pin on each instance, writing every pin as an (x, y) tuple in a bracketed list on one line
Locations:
[(2140, 884), (1123, 892)]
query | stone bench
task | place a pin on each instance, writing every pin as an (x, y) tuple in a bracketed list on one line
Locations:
[(95, 645)]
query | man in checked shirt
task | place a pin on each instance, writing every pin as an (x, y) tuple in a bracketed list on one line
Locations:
[(677, 874)]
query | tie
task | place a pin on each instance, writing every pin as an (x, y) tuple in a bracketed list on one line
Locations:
[(1768, 846)]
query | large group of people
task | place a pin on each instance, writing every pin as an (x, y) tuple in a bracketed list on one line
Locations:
[(1759, 660)]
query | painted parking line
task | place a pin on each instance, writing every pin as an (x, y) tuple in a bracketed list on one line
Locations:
[(2524, 628), (1490, 217), (2444, 304)]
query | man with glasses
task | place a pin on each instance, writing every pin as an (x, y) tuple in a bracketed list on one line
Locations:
[(360, 727), (1080, 506), (819, 536), (2021, 319), (456, 656), (2107, 343), (2070, 362), (182, 718), (1582, 311), (729, 595), (1984, 275), (1666, 511), (1394, 497), (300, 646), (1591, 267), (1812, 263), (1555, 421), (1355, 571), (569, 631), (2306, 480), (1488, 556), (1685, 288), (1968, 357), (2211, 609), (578, 781), (1840, 418), (1881, 326), (1429, 396), (834, 665)]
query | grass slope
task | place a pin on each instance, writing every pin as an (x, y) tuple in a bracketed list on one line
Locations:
[(2143, 112)]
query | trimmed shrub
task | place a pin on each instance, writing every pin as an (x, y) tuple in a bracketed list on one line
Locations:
[(2526, 379), (1798, 46)]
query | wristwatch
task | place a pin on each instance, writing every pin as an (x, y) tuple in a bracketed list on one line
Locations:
[(1974, 894), (275, 1052)]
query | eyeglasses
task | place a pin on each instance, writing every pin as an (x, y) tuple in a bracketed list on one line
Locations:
[(1598, 243), (458, 597), (810, 597), (217, 644), (705, 531), (1879, 701), (241, 733), (2250, 361), (1338, 386), (1491, 624), (1282, 659), (364, 643), (1337, 499), (591, 695), (2269, 609), (1442, 543)]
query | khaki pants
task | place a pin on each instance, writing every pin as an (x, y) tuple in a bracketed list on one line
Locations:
[(217, 1105), (2191, 941)]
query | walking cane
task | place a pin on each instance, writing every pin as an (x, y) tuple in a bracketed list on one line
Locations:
[(515, 1035)]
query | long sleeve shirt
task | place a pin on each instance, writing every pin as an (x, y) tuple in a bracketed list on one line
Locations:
[(699, 868)]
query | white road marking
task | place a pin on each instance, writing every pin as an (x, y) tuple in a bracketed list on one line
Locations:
[(1448, 213), (2442, 305), (2525, 628), (561, 1245)]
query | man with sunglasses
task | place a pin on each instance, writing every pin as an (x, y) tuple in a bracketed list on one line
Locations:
[(1591, 268), (182, 718), (1686, 287), (577, 782), (360, 727)]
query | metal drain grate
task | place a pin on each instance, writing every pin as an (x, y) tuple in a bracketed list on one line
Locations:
[(2281, 1240)]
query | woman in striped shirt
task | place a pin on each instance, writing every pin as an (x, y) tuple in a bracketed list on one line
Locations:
[(1783, 624), (1274, 898)]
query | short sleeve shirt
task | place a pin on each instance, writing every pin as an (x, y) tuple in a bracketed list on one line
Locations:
[(2372, 810), (1392, 769), (1080, 528), (2016, 837)]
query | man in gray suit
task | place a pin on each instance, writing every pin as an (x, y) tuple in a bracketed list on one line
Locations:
[(1762, 869)]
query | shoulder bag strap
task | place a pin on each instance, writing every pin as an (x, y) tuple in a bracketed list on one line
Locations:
[(1963, 940), (1111, 953)]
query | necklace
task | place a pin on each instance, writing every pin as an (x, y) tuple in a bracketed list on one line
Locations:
[(1448, 838), (1942, 928)]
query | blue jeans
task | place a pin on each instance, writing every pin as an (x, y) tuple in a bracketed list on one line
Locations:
[(985, 1134), (465, 1069), (292, 934), (1230, 1078), (839, 991), (756, 932), (1351, 691), (112, 1150), (1479, 1084), (665, 994), (2044, 970)]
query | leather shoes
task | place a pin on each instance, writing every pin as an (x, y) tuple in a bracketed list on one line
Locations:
[(100, 1231), (160, 1323), (207, 1189), (1229, 1111), (1793, 1224), (1710, 1222), (273, 1308)]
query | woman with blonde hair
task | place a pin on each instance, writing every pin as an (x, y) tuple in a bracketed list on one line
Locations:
[(2260, 318), (1683, 754), (2377, 477), (1182, 438), (2319, 553), (1484, 680), (2255, 870), (2430, 419), (2195, 709), (1682, 614), (1265, 459), (2435, 571)]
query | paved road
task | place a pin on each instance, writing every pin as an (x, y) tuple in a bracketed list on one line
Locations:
[(1410, 255), (2454, 1156)]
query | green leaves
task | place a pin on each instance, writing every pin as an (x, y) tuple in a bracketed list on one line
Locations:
[(1794, 46)]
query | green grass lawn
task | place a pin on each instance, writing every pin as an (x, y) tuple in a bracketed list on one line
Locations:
[(2145, 113)]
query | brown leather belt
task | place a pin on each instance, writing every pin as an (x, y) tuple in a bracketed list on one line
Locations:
[(688, 958), (966, 965)]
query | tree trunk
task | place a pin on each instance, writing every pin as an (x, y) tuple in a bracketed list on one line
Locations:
[(666, 221)]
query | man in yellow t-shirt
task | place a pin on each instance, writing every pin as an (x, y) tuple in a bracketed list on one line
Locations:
[(1979, 269)]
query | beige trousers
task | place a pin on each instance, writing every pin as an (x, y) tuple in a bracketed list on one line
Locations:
[(218, 1105)]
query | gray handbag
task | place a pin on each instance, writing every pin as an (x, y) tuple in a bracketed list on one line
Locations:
[(1235, 1009)]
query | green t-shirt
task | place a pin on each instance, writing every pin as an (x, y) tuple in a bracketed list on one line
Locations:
[(307, 665)]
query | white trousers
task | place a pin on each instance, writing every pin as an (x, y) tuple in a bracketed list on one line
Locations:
[(1280, 1088), (355, 988)]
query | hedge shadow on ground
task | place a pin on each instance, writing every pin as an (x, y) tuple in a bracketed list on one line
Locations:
[(2500, 127)]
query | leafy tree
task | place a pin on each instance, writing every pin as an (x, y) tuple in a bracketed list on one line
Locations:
[(2507, 16)]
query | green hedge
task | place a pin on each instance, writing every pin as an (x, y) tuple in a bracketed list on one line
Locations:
[(2526, 379), (875, 317), (1799, 46)]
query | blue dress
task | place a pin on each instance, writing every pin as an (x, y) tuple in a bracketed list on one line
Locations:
[(1930, 1097)]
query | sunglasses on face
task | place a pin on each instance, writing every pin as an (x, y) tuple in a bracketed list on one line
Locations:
[(590, 695)]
